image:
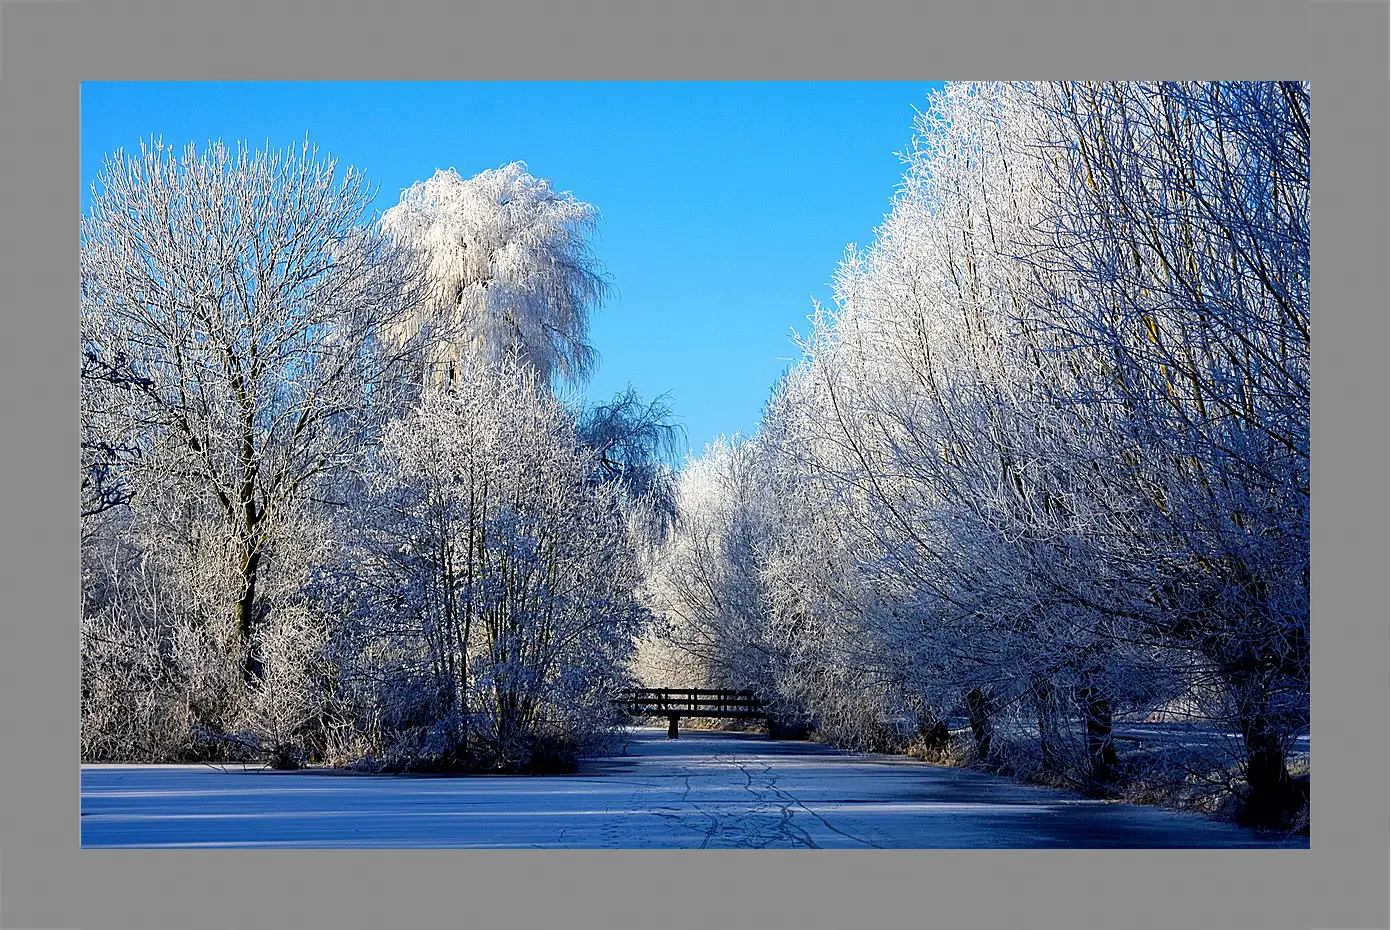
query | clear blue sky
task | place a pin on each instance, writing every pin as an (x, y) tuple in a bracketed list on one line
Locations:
[(726, 207)]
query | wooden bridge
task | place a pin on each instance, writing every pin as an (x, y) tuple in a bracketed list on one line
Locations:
[(675, 703)]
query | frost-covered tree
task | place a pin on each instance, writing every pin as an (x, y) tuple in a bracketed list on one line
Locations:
[(706, 579), (510, 271), (1044, 465), (296, 549), (1182, 217), (231, 312), (490, 582)]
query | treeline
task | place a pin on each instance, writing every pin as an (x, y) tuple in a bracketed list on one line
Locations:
[(333, 510), (1044, 466)]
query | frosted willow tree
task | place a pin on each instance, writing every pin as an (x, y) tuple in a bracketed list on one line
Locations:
[(510, 270), (232, 308), (491, 586), (512, 276)]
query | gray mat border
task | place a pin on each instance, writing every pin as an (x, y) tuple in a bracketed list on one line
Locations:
[(48, 46)]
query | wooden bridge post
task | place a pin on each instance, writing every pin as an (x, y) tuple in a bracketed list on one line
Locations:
[(671, 730)]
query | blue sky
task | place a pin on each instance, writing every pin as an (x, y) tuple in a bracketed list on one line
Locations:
[(726, 207)]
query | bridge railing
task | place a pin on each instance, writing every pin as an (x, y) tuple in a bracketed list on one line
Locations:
[(692, 702)]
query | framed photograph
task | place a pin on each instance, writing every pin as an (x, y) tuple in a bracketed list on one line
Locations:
[(562, 434)]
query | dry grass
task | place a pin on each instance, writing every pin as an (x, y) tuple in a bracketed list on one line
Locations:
[(958, 752)]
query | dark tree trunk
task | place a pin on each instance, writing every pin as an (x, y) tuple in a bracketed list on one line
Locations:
[(978, 709), (1101, 748), (933, 732), (1046, 716), (247, 616), (1272, 798), (249, 517)]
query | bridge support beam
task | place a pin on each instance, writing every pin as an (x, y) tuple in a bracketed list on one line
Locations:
[(671, 730)]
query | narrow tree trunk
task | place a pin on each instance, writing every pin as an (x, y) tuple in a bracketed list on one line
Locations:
[(246, 615), (250, 519), (1101, 748), (1046, 717), (978, 709)]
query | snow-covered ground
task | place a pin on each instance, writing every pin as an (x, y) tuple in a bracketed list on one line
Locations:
[(707, 789)]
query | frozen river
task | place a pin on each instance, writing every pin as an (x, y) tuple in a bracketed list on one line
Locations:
[(706, 790)]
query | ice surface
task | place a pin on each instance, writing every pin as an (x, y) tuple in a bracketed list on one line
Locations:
[(706, 790)]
